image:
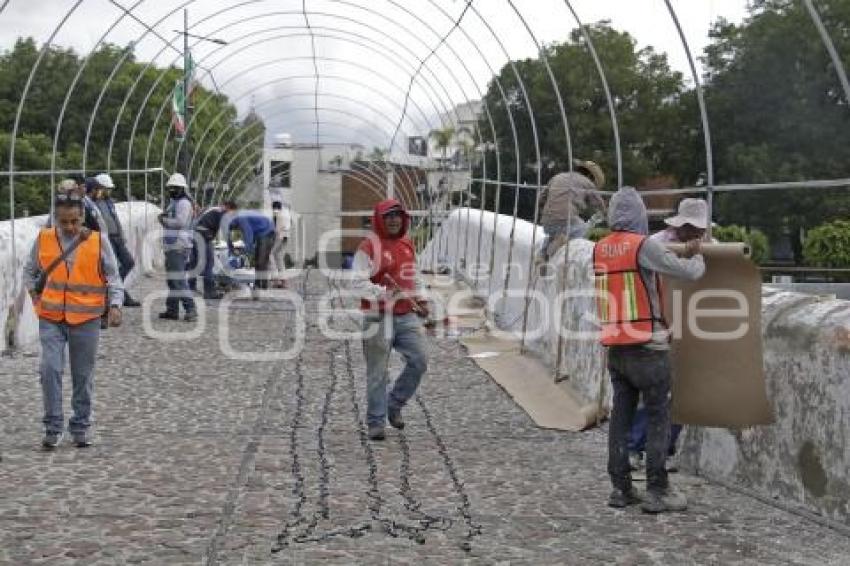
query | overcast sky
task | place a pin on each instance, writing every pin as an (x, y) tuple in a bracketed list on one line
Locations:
[(367, 49)]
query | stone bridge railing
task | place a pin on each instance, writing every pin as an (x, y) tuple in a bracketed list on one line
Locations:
[(802, 459)]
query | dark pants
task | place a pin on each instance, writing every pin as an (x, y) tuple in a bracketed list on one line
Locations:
[(637, 436), (124, 257), (175, 273), (262, 252), (207, 269), (637, 371)]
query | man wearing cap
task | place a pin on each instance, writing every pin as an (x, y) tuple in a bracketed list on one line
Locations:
[(69, 294), (689, 224), (392, 299), (627, 266), (177, 243), (564, 198), (92, 219), (101, 194)]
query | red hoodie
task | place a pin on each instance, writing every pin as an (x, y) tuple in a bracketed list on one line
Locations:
[(393, 258)]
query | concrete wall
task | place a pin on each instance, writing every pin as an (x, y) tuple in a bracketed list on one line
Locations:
[(17, 316), (803, 459)]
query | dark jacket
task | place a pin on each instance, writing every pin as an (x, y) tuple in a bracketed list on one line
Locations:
[(209, 222)]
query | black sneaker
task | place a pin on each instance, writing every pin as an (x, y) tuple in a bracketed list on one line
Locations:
[(376, 432), (213, 296), (190, 316), (131, 302), (51, 440), (394, 416), (620, 499), (169, 315), (82, 440)]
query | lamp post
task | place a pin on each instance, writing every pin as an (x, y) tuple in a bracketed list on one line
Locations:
[(185, 153)]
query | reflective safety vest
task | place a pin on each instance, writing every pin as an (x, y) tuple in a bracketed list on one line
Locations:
[(622, 296), (78, 296)]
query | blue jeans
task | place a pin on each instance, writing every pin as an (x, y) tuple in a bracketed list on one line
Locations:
[(637, 435), (81, 341), (402, 333), (175, 272)]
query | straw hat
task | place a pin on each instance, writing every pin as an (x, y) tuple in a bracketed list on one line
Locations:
[(595, 171)]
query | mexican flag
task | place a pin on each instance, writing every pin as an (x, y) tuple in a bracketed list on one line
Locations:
[(178, 98)]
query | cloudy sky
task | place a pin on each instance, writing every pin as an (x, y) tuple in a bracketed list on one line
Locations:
[(367, 50)]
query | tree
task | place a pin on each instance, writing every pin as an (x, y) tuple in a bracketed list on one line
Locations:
[(657, 115), (777, 109), (52, 85)]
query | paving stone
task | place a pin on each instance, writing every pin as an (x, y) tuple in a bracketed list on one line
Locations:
[(199, 458)]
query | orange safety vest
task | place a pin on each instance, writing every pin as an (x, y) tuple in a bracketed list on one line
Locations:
[(622, 296), (78, 296)]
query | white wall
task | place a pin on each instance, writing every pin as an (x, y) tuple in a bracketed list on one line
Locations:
[(804, 458), (16, 313)]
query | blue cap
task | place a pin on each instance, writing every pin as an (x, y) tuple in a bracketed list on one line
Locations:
[(90, 184)]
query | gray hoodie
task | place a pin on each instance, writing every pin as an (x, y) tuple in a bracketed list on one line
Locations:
[(627, 213)]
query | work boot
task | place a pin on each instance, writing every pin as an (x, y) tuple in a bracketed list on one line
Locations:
[(82, 439), (620, 499), (213, 296), (664, 501), (130, 301), (51, 440), (169, 315), (191, 316), (376, 432), (394, 416)]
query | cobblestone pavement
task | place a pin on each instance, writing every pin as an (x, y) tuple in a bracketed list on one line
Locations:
[(201, 458)]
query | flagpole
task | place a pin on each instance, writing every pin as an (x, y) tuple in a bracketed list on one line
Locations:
[(186, 106)]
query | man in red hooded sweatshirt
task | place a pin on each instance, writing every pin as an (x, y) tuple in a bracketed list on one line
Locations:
[(385, 277)]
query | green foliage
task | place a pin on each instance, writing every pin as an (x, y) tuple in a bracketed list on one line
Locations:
[(652, 105), (597, 233), (777, 110), (126, 129), (756, 240), (828, 245)]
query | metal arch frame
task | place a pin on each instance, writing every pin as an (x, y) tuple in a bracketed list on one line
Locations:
[(259, 136), (286, 60), (375, 187), (315, 83), (114, 71), (126, 11), (349, 20), (533, 123), (604, 78), (61, 119), (703, 112), (338, 125), (17, 124), (270, 101), (279, 80), (423, 63)]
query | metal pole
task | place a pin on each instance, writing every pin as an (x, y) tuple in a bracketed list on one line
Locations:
[(186, 152)]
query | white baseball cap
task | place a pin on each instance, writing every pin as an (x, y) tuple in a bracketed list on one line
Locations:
[(105, 181), (693, 211), (177, 180)]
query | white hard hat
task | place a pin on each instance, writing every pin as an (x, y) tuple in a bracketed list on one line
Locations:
[(177, 180), (105, 181)]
